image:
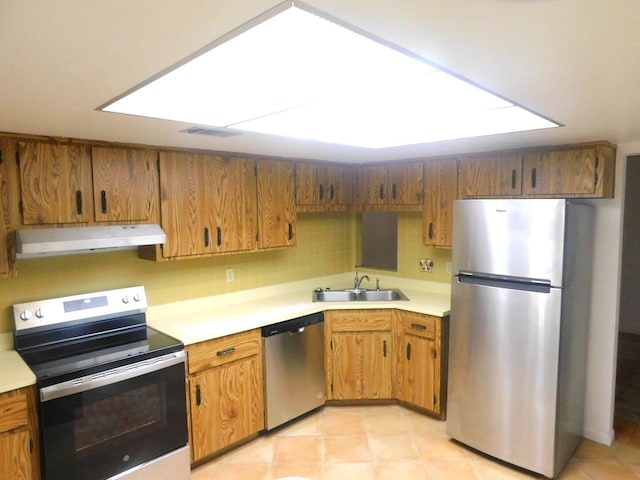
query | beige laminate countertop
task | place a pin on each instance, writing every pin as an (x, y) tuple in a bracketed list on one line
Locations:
[(14, 373), (194, 321)]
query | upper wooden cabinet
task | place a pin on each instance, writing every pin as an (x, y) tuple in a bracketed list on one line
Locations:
[(323, 186), (440, 190), (55, 183), (276, 205), (76, 183), (4, 216), (575, 171), (398, 184), (208, 203), (125, 184), (498, 175)]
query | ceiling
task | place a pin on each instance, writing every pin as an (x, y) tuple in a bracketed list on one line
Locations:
[(573, 61)]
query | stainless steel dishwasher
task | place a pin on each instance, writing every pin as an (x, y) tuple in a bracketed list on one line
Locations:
[(294, 368)]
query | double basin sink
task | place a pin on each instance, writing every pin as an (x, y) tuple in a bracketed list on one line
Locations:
[(358, 295)]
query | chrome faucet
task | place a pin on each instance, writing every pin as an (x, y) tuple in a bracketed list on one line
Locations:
[(357, 281)]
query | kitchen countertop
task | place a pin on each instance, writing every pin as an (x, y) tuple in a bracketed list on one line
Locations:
[(193, 321)]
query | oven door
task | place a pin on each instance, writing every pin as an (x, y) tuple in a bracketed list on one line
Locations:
[(104, 424)]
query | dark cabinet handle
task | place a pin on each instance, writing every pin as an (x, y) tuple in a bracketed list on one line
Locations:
[(321, 191), (79, 202), (226, 351), (393, 191), (430, 230), (290, 231), (384, 348), (219, 235), (381, 191), (418, 326), (103, 201), (331, 192), (206, 237), (533, 178), (513, 179), (198, 396), (408, 351)]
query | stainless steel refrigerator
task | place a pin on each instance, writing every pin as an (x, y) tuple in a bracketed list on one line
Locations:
[(519, 324)]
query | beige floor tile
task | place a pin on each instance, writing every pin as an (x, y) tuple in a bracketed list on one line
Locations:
[(297, 450), (400, 470), (441, 447), (491, 470), (312, 471), (259, 450), (393, 447), (347, 449), (225, 471), (452, 470), (590, 451), (608, 471), (349, 471), (342, 425), (388, 422), (306, 426), (421, 423), (572, 472)]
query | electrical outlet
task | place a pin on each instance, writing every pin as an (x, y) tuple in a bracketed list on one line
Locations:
[(230, 275), (426, 265)]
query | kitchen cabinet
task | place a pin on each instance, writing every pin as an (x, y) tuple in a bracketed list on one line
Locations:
[(323, 187), (359, 354), (276, 203), (498, 175), (125, 184), (208, 204), (440, 191), (389, 185), (421, 361), (225, 392), (77, 183), (18, 435), (5, 222)]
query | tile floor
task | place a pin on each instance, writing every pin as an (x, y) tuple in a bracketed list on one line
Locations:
[(393, 443)]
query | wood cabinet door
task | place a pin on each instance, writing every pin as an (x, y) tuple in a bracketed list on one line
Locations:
[(361, 365), (371, 185), (307, 184), (490, 176), (55, 183), (184, 208), (276, 205), (440, 191), (125, 184), (568, 172), (335, 184), (4, 216), (417, 371), (15, 461), (226, 405), (232, 197), (405, 184)]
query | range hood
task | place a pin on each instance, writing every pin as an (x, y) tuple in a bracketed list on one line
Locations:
[(39, 242)]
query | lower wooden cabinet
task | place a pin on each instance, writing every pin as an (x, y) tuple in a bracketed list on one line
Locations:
[(421, 357), (19, 459), (359, 354), (225, 392)]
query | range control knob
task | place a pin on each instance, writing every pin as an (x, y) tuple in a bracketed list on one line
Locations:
[(39, 313), (25, 315), (125, 299), (136, 297)]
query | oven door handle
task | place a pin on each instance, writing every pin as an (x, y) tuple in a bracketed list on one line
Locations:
[(108, 377)]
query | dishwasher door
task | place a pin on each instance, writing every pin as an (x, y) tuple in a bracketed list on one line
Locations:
[(294, 368)]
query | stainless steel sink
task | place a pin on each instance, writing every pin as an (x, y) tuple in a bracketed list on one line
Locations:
[(352, 295)]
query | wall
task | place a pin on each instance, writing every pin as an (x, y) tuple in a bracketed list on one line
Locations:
[(325, 246)]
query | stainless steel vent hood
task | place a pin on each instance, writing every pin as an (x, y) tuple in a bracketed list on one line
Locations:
[(39, 242)]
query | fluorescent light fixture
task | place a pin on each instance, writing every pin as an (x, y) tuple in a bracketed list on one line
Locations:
[(296, 72)]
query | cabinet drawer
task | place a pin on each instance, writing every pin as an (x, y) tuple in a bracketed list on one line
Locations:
[(418, 324), (359, 320), (218, 351), (13, 411)]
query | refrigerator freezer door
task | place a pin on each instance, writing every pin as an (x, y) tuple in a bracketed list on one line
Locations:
[(503, 373), (519, 238)]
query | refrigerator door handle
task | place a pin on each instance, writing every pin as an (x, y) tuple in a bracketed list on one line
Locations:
[(503, 281)]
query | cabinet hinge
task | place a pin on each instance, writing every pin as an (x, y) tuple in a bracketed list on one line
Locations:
[(20, 207), (435, 353), (18, 157), (158, 164), (257, 236)]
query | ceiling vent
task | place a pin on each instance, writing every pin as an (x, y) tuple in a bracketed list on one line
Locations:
[(212, 132)]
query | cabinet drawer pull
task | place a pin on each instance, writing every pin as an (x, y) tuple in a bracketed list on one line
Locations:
[(219, 235), (206, 237), (198, 395), (331, 192), (381, 191), (533, 178), (418, 326), (431, 231), (79, 202), (384, 348), (290, 231), (321, 192), (226, 351), (103, 201), (408, 351), (393, 191), (513, 179)]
